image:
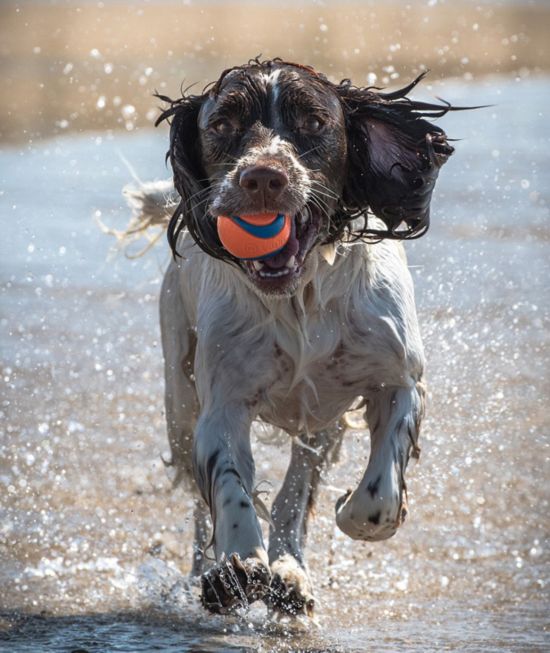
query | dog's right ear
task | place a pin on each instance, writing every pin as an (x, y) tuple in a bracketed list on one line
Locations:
[(395, 155), (185, 158)]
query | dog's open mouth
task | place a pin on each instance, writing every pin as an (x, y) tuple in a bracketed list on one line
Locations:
[(278, 272)]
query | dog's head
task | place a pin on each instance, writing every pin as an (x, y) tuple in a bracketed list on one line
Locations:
[(279, 137)]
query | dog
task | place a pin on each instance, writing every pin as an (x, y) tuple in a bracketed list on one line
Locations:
[(297, 338)]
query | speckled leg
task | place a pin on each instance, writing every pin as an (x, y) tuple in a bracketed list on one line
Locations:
[(377, 507), (291, 591), (224, 471)]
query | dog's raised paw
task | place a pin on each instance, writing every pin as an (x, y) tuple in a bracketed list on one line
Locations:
[(290, 592), (234, 583)]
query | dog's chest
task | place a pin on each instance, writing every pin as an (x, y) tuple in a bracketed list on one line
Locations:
[(345, 352), (309, 392)]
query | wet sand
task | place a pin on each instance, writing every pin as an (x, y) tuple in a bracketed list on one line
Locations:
[(94, 546)]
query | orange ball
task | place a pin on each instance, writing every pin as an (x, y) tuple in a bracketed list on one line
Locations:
[(254, 236)]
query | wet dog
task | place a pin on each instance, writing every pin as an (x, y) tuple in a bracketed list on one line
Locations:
[(293, 339)]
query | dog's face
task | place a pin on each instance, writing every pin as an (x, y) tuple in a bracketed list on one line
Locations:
[(275, 142), (277, 137)]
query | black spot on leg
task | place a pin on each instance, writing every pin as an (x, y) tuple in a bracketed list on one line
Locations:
[(226, 502), (372, 487), (226, 473), (235, 525), (244, 504), (230, 470), (375, 519), (211, 463)]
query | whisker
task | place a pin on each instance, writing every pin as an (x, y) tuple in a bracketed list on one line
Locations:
[(322, 197), (320, 193), (309, 151), (320, 200), (201, 206), (315, 201), (327, 190), (189, 199)]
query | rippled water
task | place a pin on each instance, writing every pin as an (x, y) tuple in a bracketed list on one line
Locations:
[(94, 546)]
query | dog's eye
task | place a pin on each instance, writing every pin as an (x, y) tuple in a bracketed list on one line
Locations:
[(224, 128), (313, 124)]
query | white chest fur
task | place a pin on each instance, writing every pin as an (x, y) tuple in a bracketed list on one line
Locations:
[(302, 361)]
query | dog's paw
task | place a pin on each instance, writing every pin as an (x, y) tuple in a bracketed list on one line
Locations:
[(234, 583), (290, 592)]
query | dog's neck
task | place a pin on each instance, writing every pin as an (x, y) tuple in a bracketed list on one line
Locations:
[(331, 273)]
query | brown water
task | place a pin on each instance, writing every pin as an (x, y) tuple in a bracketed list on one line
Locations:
[(94, 546)]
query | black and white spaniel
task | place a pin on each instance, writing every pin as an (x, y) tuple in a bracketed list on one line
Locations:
[(294, 339)]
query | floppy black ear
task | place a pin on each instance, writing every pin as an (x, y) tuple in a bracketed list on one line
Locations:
[(394, 157), (190, 179)]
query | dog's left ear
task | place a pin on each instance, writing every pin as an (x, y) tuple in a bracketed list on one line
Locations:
[(185, 158), (394, 157)]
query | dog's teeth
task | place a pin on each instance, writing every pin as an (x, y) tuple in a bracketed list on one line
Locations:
[(291, 262), (273, 273), (257, 265)]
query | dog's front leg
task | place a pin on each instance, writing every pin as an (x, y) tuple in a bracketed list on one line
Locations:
[(224, 470), (376, 508)]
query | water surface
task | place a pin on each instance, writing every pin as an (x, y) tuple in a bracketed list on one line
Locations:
[(94, 546)]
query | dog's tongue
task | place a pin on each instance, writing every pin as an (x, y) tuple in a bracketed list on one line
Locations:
[(290, 249)]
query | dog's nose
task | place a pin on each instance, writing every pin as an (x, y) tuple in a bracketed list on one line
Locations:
[(263, 181)]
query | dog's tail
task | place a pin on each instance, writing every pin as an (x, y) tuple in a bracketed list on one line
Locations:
[(152, 204)]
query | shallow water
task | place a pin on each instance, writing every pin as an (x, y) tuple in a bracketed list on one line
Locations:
[(94, 546)]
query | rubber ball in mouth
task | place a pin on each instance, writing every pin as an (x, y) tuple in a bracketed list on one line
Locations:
[(254, 235)]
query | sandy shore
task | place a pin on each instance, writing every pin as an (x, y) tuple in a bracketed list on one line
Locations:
[(74, 66)]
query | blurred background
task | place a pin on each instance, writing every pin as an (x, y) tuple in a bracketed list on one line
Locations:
[(70, 66), (94, 544)]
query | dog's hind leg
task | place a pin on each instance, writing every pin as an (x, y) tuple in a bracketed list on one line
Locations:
[(291, 590), (377, 507), (179, 343)]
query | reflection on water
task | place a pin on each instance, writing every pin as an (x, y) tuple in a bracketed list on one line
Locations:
[(93, 543)]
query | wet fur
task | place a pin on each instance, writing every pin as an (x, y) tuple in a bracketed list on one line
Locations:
[(397, 188), (298, 358)]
